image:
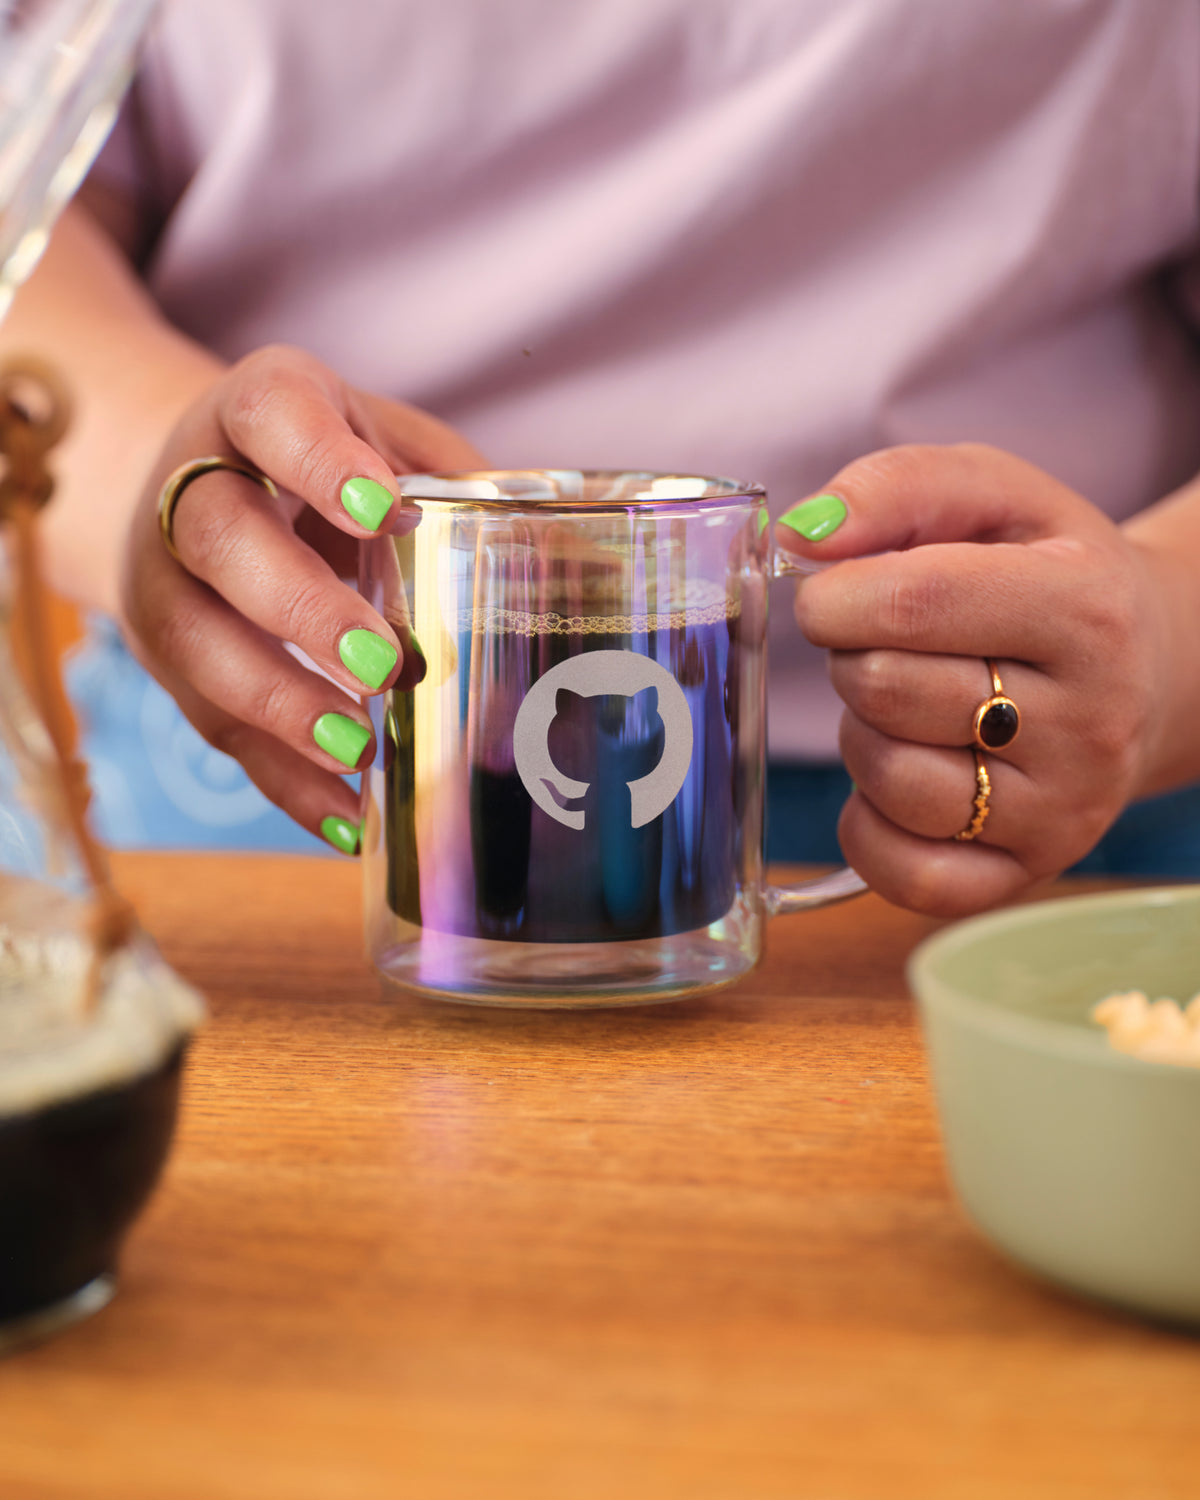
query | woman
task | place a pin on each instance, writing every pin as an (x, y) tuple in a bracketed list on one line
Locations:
[(820, 244)]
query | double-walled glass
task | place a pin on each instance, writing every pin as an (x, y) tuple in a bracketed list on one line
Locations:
[(566, 804)]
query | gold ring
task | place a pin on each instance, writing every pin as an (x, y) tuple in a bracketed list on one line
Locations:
[(981, 803), (997, 720), (168, 496)]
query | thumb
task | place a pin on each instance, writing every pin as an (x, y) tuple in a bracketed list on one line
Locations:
[(910, 496)]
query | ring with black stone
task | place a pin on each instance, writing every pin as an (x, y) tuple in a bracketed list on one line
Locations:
[(997, 720)]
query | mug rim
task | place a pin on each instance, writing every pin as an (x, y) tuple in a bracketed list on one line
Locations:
[(432, 488)]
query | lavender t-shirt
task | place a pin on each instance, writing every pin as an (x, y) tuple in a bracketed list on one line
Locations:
[(746, 237)]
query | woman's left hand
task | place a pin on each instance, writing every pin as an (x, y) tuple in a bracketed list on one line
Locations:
[(945, 557)]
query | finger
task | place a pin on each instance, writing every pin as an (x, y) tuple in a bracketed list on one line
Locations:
[(394, 604), (1045, 822), (929, 790), (234, 537), (316, 799), (194, 635), (940, 877), (932, 699), (292, 417), (410, 440), (916, 495), (1039, 603)]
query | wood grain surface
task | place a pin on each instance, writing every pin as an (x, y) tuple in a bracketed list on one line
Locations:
[(705, 1250)]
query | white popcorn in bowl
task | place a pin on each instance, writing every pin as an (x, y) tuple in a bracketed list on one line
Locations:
[(1160, 1031)]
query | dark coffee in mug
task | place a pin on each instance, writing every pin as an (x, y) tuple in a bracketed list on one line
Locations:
[(603, 779)]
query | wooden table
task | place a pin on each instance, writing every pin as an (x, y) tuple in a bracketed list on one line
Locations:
[(703, 1251)]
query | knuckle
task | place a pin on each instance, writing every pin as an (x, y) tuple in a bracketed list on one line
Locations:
[(305, 612), (916, 604), (313, 465), (283, 391), (930, 882), (264, 368), (1111, 744), (212, 537), (932, 890), (1094, 822), (903, 469), (935, 886), (982, 453), (872, 689), (176, 635), (1111, 613), (269, 703), (1104, 602), (1115, 711), (229, 736), (253, 397), (1079, 823), (258, 385)]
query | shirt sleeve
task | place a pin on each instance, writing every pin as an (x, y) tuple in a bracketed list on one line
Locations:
[(120, 162), (126, 166), (1185, 288)]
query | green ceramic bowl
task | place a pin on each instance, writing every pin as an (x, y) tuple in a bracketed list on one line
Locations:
[(1080, 1162)]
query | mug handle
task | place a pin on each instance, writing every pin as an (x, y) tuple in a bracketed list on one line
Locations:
[(840, 884), (822, 890)]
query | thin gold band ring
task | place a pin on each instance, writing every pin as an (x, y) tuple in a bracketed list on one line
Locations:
[(168, 496), (981, 804)]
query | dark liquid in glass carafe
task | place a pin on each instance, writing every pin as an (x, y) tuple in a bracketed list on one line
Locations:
[(73, 1176)]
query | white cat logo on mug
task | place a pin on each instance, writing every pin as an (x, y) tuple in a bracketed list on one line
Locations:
[(590, 675)]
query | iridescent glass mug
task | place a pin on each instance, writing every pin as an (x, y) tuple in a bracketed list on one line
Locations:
[(566, 803)]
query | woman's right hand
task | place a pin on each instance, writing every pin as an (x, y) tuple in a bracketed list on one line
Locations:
[(256, 573)]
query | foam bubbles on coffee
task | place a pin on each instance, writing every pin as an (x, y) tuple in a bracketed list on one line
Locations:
[(50, 1050)]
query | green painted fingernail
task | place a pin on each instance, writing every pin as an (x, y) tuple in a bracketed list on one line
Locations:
[(764, 519), (345, 739), (366, 501), (341, 833), (817, 518), (367, 655)]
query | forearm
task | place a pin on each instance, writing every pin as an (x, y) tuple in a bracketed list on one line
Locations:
[(130, 374), (1168, 536)]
